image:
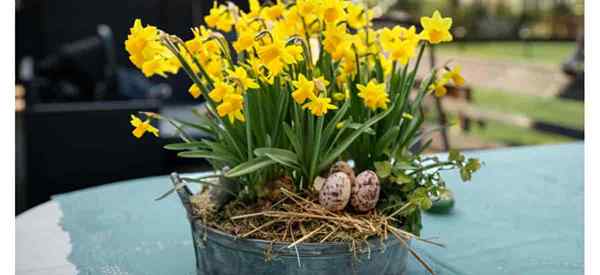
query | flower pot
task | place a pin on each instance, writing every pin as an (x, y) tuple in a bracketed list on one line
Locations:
[(218, 252)]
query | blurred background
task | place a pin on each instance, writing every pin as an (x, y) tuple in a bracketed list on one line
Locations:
[(75, 87)]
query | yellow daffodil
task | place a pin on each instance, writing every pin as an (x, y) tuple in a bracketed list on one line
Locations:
[(319, 106), (245, 41), (402, 51), (255, 8), (215, 68), (141, 41), (240, 76), (455, 76), (195, 91), (386, 64), (275, 54), (220, 90), (336, 40), (141, 127), (333, 11), (304, 89), (274, 12), (373, 95), (308, 8), (411, 35), (219, 18), (389, 37), (438, 87), (357, 17), (232, 107), (147, 53), (436, 29)]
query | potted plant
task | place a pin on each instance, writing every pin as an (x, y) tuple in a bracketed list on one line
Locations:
[(313, 128)]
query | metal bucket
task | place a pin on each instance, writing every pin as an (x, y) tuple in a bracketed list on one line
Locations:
[(218, 252)]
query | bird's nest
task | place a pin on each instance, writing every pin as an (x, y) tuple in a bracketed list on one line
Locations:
[(297, 219)]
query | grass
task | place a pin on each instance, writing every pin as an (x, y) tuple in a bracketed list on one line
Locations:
[(537, 52), (513, 135), (567, 113), (564, 112)]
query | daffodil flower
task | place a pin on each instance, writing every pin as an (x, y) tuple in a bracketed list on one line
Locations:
[(373, 95), (220, 90), (319, 106), (232, 107), (436, 29), (194, 90), (141, 127), (403, 51), (147, 53), (245, 41), (241, 77), (304, 89), (357, 17), (333, 11), (455, 76), (438, 87), (219, 18)]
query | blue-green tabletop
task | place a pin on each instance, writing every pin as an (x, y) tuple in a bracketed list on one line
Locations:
[(521, 214)]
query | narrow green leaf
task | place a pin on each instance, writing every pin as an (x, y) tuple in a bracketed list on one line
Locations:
[(185, 145), (281, 156), (330, 128), (292, 138), (387, 139), (204, 154), (343, 145), (249, 167)]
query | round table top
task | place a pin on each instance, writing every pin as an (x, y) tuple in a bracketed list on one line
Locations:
[(521, 214)]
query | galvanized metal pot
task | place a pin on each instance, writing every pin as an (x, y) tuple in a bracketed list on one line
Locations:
[(218, 252)]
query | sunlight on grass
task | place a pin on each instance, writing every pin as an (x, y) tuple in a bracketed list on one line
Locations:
[(538, 52)]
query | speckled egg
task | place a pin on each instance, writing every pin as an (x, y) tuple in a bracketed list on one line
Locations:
[(365, 191), (335, 193), (342, 166)]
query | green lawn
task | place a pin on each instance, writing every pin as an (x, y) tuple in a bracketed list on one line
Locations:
[(568, 113), (537, 52), (564, 112), (512, 135)]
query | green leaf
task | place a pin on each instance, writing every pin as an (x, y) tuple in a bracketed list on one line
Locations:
[(356, 126), (401, 178), (473, 165), (455, 155), (387, 139), (383, 168), (403, 165), (330, 128), (185, 145), (249, 167), (281, 156), (292, 138), (204, 154), (343, 145), (465, 175)]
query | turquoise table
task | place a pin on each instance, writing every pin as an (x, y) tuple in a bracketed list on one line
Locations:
[(522, 214)]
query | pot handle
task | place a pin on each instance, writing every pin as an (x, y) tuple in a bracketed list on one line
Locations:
[(183, 192)]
